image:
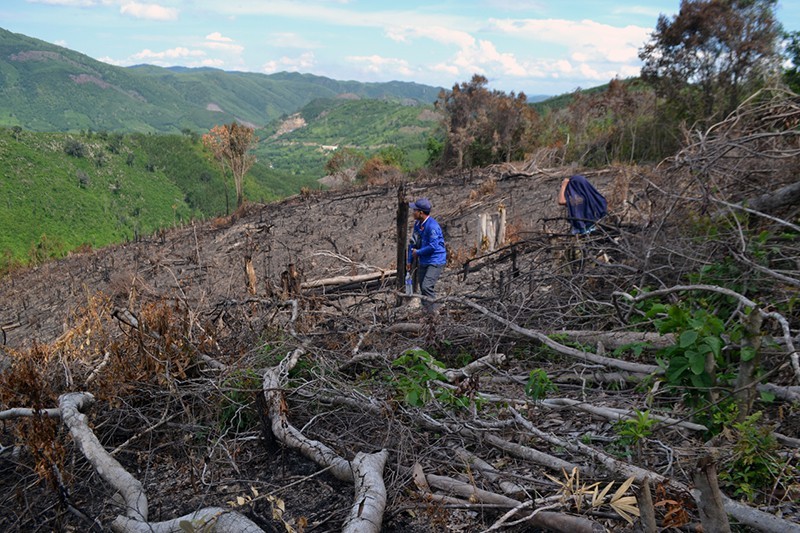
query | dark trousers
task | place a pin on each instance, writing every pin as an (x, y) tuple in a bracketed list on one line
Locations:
[(428, 275)]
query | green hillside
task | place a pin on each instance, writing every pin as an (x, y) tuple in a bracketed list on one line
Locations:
[(61, 191), (44, 87), (365, 125)]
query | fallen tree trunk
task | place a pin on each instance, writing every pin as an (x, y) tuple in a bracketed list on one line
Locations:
[(544, 519), (209, 519), (771, 202), (346, 280), (106, 466), (289, 435), (370, 502), (617, 414), (617, 339), (17, 412), (756, 519), (366, 471), (212, 519), (557, 346)]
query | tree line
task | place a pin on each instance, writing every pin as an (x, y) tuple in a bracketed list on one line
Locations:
[(698, 66)]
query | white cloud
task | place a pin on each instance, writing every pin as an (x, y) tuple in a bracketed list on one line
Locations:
[(214, 63), (445, 68), (477, 58), (216, 41), (304, 62), (112, 61), (173, 53), (438, 34), (148, 11), (375, 64), (592, 40), (217, 36)]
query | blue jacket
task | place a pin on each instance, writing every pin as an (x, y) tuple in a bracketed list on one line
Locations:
[(585, 205), (428, 240)]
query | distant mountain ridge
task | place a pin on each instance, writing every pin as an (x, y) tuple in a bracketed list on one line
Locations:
[(45, 87)]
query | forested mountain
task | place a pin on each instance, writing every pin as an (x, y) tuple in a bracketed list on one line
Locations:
[(44, 87)]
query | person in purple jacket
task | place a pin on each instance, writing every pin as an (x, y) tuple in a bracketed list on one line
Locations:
[(427, 246), (585, 204)]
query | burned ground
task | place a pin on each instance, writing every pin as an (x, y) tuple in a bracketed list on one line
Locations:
[(172, 337)]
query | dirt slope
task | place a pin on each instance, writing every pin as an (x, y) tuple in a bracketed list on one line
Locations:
[(181, 401), (204, 263)]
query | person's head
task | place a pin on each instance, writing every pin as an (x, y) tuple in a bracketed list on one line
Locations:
[(420, 208)]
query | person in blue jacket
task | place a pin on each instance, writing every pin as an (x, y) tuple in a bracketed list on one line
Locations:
[(585, 204), (427, 246)]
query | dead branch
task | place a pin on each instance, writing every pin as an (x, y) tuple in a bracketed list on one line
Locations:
[(106, 466), (758, 520), (274, 381), (610, 463), (558, 347), (509, 488), (617, 339), (18, 412), (366, 514), (211, 519), (487, 361), (365, 471), (546, 519), (617, 414), (346, 280)]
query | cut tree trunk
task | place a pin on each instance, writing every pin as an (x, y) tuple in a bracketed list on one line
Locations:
[(709, 498), (370, 502)]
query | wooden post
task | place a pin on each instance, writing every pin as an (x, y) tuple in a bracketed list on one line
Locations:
[(402, 239)]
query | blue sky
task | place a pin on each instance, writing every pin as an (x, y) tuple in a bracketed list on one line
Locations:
[(531, 46)]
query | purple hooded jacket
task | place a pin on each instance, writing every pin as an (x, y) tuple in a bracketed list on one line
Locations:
[(585, 204)]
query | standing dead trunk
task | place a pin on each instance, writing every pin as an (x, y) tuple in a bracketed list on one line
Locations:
[(402, 238), (709, 498), (749, 359), (250, 275)]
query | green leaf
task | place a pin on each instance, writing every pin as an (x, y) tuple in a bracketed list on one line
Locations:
[(677, 366), (656, 309), (714, 343), (688, 338), (767, 397), (698, 364), (700, 381), (748, 353), (412, 398)]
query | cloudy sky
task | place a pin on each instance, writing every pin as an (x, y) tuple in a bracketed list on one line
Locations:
[(532, 46)]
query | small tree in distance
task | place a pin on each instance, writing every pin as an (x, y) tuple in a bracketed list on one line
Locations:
[(230, 145)]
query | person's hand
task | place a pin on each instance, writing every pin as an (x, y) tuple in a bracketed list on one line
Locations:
[(414, 253), (408, 267)]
